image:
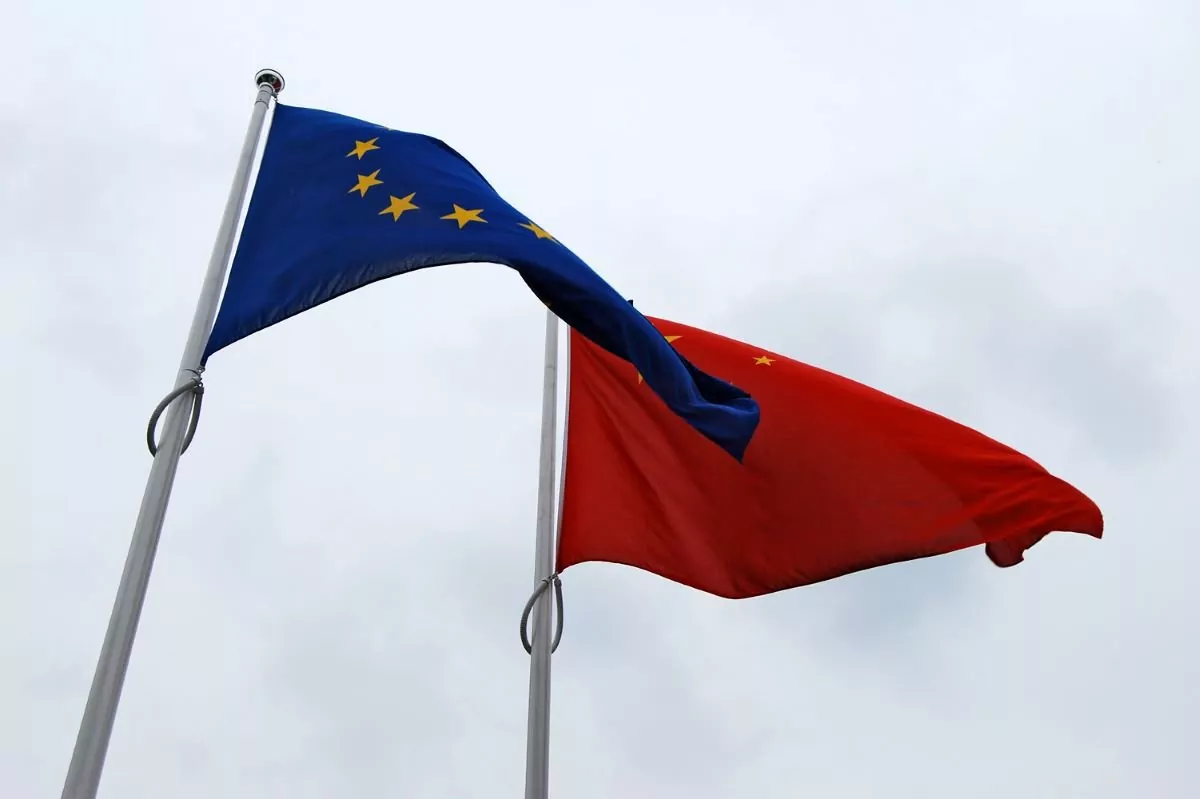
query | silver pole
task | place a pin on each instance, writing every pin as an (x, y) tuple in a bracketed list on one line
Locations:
[(95, 730), (537, 746)]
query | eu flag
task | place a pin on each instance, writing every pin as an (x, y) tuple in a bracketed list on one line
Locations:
[(340, 203)]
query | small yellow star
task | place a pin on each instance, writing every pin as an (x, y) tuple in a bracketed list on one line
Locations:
[(365, 182), (763, 360), (669, 340), (399, 205), (537, 230), (361, 148), (462, 216)]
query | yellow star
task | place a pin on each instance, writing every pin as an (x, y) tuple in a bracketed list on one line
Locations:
[(537, 230), (399, 205), (361, 148), (365, 182), (763, 360), (669, 340), (462, 216)]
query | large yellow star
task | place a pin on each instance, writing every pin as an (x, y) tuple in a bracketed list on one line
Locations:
[(669, 340), (399, 205), (462, 216), (763, 360), (365, 182), (537, 230), (361, 148)]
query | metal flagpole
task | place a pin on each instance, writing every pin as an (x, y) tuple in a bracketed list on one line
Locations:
[(537, 747), (95, 730)]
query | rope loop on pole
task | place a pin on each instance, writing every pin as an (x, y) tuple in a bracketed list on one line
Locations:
[(558, 602), (194, 386)]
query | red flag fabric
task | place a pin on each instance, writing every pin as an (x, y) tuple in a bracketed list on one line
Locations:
[(838, 478)]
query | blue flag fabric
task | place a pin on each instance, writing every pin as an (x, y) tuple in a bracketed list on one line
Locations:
[(340, 203)]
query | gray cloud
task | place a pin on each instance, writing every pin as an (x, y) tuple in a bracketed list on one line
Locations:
[(985, 210)]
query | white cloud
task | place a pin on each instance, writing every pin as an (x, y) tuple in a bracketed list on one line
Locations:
[(987, 209)]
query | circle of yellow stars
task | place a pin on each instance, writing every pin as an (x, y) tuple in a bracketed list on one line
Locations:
[(398, 206)]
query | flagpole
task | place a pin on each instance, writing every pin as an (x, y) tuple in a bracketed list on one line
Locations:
[(537, 746), (95, 729)]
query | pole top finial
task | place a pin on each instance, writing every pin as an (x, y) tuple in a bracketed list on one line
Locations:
[(270, 78)]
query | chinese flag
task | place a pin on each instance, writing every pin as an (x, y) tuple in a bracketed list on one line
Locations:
[(838, 478)]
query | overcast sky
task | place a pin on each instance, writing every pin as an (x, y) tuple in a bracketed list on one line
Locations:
[(989, 209)]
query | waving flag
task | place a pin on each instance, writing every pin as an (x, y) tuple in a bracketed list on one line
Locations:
[(839, 478), (340, 203)]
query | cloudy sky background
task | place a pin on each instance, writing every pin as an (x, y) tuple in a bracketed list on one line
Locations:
[(985, 208)]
